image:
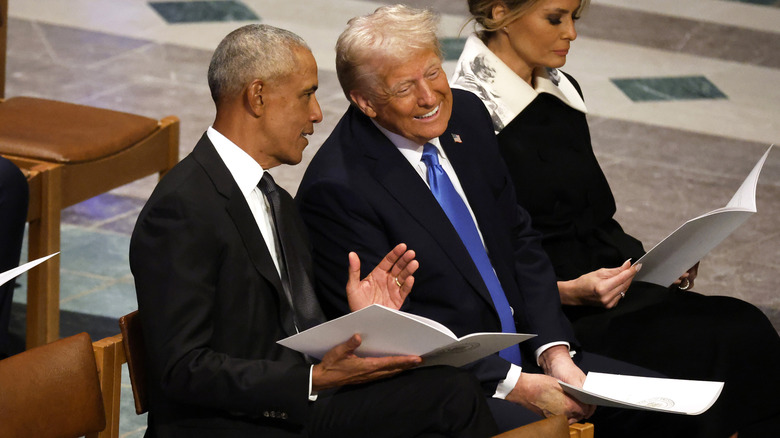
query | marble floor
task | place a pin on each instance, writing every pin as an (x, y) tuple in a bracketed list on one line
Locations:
[(682, 98)]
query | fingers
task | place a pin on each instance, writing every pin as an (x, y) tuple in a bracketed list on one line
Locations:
[(388, 262), (354, 270), (405, 266), (344, 349)]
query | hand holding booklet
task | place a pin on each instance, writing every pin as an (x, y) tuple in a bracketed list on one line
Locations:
[(690, 397), (682, 249), (388, 332)]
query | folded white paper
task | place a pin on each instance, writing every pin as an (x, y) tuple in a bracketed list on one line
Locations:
[(15, 272), (388, 332), (690, 397), (682, 249)]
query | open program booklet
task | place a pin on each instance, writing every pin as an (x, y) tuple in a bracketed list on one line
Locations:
[(15, 272), (682, 249), (388, 332), (690, 397)]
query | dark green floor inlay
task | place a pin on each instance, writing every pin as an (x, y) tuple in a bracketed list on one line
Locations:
[(669, 88), (452, 48), (204, 11)]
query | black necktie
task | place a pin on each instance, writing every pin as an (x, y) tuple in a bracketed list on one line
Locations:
[(295, 279)]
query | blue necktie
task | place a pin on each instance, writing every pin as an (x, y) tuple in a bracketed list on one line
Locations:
[(459, 215)]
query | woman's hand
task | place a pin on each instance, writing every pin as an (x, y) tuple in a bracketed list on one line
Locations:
[(602, 288)]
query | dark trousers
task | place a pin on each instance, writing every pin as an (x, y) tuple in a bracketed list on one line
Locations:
[(13, 215), (686, 335), (424, 402)]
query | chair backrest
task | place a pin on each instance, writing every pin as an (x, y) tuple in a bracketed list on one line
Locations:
[(553, 427), (135, 353), (52, 391)]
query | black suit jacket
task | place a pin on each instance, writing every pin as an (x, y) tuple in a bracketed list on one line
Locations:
[(360, 194), (212, 308), (559, 182)]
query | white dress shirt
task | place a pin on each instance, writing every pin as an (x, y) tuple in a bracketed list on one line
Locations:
[(247, 174)]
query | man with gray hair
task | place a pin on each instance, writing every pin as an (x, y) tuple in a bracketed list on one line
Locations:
[(223, 271), (413, 161)]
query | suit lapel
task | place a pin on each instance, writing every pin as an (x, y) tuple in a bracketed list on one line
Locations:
[(241, 215), (395, 174)]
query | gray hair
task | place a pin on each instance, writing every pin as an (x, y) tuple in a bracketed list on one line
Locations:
[(391, 33), (250, 52)]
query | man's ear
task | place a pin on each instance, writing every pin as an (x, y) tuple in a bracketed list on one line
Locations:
[(363, 103), (254, 97)]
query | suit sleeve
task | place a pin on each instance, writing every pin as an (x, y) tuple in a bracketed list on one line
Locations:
[(179, 259)]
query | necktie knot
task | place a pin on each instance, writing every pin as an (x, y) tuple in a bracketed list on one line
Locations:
[(267, 184), (430, 155)]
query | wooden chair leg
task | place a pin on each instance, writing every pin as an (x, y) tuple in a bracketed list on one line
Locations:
[(43, 293), (109, 356)]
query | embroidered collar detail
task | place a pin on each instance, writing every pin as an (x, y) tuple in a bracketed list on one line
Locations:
[(502, 91)]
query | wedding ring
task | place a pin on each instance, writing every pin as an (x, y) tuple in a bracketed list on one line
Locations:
[(397, 282), (684, 284), (622, 294)]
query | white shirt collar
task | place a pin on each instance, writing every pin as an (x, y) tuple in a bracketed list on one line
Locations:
[(245, 170), (503, 92), (411, 150)]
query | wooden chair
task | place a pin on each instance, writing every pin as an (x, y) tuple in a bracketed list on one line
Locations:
[(553, 427), (71, 153), (110, 354), (51, 391), (135, 353)]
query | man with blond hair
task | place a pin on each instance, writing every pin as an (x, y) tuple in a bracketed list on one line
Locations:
[(413, 161)]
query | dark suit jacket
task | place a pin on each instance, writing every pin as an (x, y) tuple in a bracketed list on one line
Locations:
[(212, 308), (360, 194)]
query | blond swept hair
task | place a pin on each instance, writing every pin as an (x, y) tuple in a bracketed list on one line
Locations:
[(390, 35)]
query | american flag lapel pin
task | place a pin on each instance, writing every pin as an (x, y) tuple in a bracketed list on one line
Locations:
[(456, 138)]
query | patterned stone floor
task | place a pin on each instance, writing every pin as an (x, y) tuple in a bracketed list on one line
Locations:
[(683, 100)]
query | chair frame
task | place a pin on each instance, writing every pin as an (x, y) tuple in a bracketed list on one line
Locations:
[(54, 186)]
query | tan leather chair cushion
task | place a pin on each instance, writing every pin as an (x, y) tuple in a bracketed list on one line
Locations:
[(63, 132), (51, 391), (553, 427)]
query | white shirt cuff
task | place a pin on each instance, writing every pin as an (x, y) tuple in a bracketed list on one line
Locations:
[(544, 348), (312, 394), (508, 384)]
